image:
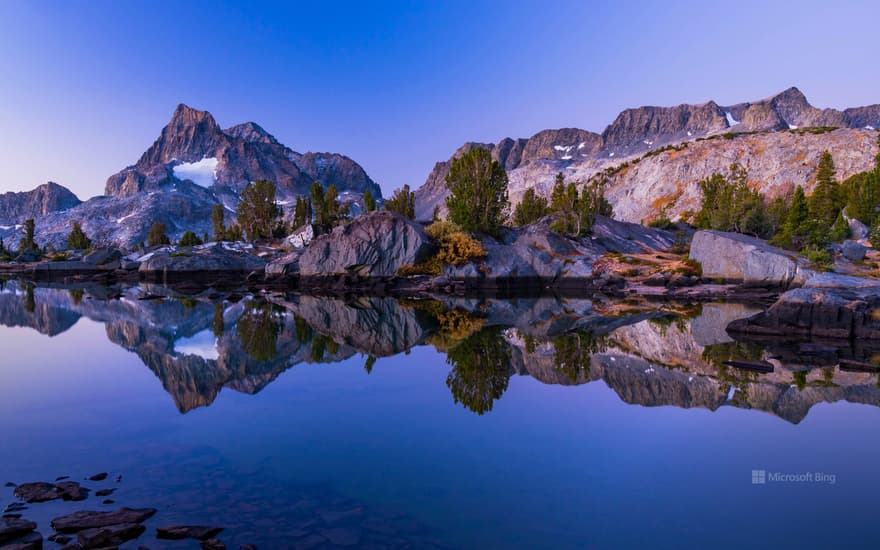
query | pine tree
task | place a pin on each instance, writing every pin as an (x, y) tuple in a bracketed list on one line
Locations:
[(532, 208), (189, 239), (840, 229), (258, 210), (77, 240), (302, 212), (478, 192), (157, 236), (565, 206), (334, 212), (797, 222), (316, 192), (219, 222), (402, 202), (27, 242), (825, 201), (592, 203), (369, 201)]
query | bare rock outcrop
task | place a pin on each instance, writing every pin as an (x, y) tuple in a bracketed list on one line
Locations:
[(740, 258), (373, 245)]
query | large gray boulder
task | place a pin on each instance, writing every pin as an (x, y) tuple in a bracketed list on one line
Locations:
[(740, 258), (630, 238), (288, 264), (852, 250), (534, 252), (373, 245), (219, 257)]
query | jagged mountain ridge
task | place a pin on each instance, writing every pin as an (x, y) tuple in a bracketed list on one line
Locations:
[(193, 144), (193, 165), (580, 154)]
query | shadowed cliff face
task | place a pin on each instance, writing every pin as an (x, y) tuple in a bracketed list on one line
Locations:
[(197, 347)]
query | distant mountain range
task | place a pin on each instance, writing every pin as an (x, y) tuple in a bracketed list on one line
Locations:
[(652, 158), (193, 165), (773, 144)]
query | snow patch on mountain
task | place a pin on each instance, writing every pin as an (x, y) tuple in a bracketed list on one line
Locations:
[(730, 120), (203, 172)]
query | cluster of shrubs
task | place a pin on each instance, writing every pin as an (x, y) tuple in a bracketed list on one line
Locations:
[(456, 247)]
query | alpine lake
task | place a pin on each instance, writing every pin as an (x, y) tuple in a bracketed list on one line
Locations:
[(297, 421)]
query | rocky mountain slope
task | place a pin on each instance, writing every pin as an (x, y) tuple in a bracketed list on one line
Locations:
[(192, 146), (193, 165), (772, 140), (46, 198)]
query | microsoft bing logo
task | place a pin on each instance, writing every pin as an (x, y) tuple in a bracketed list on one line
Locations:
[(759, 477)]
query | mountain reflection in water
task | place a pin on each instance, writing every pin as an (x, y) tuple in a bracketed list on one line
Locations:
[(198, 345)]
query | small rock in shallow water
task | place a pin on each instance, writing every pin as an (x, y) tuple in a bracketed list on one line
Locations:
[(43, 492), (15, 507), (11, 528), (58, 538), (62, 478), (98, 477), (212, 544), (104, 492), (176, 532), (111, 535), (30, 541), (71, 490), (12, 516), (10, 484), (118, 478), (108, 501), (39, 491)]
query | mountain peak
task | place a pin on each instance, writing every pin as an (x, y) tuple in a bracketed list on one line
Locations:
[(185, 116), (251, 132)]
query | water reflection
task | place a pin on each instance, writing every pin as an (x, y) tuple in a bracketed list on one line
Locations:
[(198, 345)]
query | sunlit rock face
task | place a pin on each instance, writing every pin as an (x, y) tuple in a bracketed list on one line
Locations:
[(654, 157)]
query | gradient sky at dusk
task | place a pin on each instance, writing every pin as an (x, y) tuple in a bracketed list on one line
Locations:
[(87, 86)]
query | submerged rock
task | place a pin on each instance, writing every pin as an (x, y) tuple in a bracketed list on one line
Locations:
[(90, 519), (111, 535), (177, 532), (13, 528), (372, 245), (41, 491), (740, 258), (30, 541)]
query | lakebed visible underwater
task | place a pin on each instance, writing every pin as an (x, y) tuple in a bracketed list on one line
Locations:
[(543, 422)]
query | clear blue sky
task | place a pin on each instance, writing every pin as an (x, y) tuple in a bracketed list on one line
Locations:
[(85, 87)]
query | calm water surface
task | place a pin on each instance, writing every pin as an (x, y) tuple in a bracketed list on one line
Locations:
[(540, 423)]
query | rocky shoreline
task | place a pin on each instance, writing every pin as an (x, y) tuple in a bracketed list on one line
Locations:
[(620, 260)]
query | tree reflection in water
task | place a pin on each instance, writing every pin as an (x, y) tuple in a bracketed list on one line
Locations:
[(480, 369), (258, 330)]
